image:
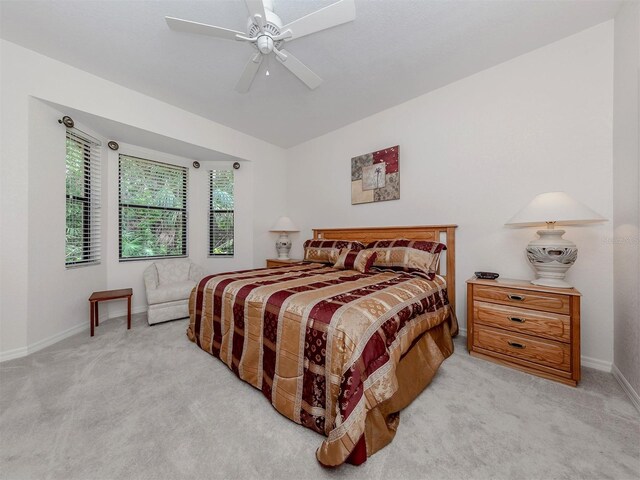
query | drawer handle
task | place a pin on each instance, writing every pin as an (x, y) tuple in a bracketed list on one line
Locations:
[(515, 344), (519, 298), (517, 319)]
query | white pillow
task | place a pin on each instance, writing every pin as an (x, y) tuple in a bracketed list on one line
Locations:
[(172, 271)]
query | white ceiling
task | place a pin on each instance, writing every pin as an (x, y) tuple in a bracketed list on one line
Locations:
[(394, 51)]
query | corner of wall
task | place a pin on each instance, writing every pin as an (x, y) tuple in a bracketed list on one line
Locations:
[(626, 188)]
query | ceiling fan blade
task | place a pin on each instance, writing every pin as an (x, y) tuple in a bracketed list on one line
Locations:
[(300, 70), (256, 7), (201, 28), (335, 14), (249, 73)]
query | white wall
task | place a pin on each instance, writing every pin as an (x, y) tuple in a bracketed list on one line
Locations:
[(626, 199), (57, 298), (26, 75), (476, 151)]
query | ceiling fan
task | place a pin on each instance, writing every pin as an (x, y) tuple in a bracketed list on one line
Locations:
[(267, 34)]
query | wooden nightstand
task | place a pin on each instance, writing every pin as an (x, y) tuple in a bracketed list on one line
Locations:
[(528, 327), (279, 262)]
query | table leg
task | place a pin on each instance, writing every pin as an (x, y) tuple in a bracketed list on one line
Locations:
[(92, 317), (129, 312), (97, 315)]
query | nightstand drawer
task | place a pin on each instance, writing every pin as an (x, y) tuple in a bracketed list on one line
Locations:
[(549, 302), (537, 350), (534, 322)]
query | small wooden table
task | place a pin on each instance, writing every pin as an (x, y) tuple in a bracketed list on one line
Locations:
[(97, 297)]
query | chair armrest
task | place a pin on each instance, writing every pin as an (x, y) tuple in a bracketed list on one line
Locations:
[(196, 273), (150, 277)]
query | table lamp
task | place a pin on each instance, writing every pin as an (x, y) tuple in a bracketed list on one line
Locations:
[(284, 225), (551, 255)]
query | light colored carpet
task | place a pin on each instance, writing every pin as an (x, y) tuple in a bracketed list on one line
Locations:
[(148, 404)]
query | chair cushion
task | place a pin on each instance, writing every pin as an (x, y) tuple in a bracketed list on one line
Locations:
[(170, 292), (172, 271)]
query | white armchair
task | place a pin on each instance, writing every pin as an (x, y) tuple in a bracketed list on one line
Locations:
[(168, 284)]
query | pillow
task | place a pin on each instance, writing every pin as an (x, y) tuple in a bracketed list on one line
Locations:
[(355, 260), (173, 271), (327, 251), (416, 256)]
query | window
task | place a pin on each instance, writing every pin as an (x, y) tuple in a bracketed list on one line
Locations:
[(152, 209), (82, 233), (221, 213)]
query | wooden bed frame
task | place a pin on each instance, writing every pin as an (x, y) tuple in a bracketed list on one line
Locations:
[(436, 233)]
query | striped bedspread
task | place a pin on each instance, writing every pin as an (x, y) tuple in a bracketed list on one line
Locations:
[(321, 344)]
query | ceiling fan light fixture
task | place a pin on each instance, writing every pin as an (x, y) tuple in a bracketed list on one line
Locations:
[(265, 44)]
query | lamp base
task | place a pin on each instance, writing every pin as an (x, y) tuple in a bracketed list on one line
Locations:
[(551, 282), (283, 246), (551, 256)]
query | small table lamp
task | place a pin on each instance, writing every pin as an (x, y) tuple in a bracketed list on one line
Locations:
[(283, 244), (551, 255)]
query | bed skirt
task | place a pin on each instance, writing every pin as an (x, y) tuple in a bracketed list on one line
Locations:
[(414, 372)]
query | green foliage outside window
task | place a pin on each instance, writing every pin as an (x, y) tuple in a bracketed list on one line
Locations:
[(74, 245), (221, 213), (77, 202), (153, 209)]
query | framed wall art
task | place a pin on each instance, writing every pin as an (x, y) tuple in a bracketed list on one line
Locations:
[(375, 177)]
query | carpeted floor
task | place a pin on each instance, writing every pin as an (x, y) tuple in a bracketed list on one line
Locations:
[(148, 404)]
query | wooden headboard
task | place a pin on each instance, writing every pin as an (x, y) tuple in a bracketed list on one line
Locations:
[(437, 233)]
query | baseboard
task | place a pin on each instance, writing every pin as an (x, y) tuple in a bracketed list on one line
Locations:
[(13, 353), (121, 312), (596, 364), (588, 362), (626, 386), (45, 342)]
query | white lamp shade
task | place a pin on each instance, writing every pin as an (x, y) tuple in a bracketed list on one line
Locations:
[(284, 224), (555, 207)]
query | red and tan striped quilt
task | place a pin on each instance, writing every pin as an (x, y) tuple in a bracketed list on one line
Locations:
[(321, 344)]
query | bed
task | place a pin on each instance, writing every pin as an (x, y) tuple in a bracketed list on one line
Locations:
[(339, 351)]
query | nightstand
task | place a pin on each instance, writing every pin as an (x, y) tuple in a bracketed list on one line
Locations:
[(524, 326), (279, 262)]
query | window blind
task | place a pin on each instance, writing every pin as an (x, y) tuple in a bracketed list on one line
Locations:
[(82, 233), (221, 213), (152, 209)]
